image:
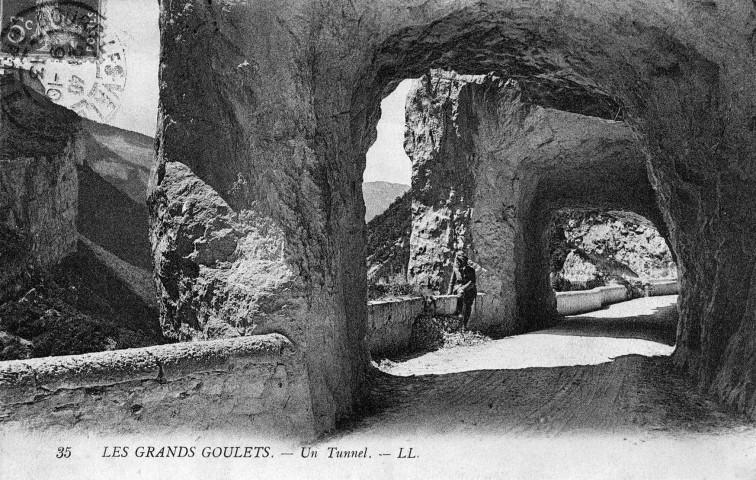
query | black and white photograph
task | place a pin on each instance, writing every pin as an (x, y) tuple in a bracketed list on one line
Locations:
[(378, 239)]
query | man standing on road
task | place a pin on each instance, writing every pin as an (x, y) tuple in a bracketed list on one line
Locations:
[(463, 285)]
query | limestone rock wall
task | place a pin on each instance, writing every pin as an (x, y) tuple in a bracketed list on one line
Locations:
[(217, 271), (620, 236), (39, 199), (38, 182), (257, 219), (390, 324), (443, 185), (274, 104)]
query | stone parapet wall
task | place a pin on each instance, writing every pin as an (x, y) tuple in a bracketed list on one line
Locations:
[(613, 294), (251, 384), (444, 304), (390, 323), (663, 286), (569, 303)]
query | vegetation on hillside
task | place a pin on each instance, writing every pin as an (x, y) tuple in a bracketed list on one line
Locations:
[(77, 307)]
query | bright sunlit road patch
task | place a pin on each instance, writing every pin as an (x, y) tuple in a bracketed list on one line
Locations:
[(628, 328)]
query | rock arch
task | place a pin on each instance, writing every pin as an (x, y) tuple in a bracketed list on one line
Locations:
[(492, 161), (267, 109)]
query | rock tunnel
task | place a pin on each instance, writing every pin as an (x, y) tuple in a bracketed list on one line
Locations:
[(267, 110), (492, 163)]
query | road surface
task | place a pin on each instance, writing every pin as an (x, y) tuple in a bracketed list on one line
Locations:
[(594, 397)]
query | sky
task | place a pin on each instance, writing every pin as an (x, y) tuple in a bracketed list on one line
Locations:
[(136, 24), (386, 159)]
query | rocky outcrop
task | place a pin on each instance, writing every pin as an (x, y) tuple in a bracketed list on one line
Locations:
[(38, 183), (217, 271), (583, 271), (618, 237), (274, 104)]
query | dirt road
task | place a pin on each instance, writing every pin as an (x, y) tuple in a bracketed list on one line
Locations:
[(595, 396)]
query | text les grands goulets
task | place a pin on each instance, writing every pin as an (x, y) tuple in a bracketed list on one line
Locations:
[(186, 452)]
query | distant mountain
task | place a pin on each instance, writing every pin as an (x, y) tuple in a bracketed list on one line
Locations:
[(113, 180), (379, 195), (388, 237), (121, 157)]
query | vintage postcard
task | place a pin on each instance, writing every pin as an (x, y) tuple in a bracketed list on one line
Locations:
[(390, 239)]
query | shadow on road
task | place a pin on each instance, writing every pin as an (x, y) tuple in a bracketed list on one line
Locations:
[(658, 326), (625, 393)]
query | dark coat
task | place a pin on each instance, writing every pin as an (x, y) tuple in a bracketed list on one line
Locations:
[(461, 277)]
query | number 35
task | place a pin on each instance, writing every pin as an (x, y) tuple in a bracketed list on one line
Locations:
[(63, 452)]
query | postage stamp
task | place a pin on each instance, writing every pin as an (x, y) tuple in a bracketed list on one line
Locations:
[(51, 28), (64, 50)]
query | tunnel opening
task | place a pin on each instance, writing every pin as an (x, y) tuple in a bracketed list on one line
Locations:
[(388, 203), (454, 125), (597, 261), (499, 147), (631, 83), (613, 275)]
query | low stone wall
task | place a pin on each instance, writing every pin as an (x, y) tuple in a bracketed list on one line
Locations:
[(580, 301), (444, 304), (255, 384), (613, 294), (663, 286), (484, 312), (569, 303), (390, 323)]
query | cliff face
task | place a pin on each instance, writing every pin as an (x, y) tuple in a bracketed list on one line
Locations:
[(38, 183), (273, 105), (628, 240), (60, 293), (387, 246), (38, 202)]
